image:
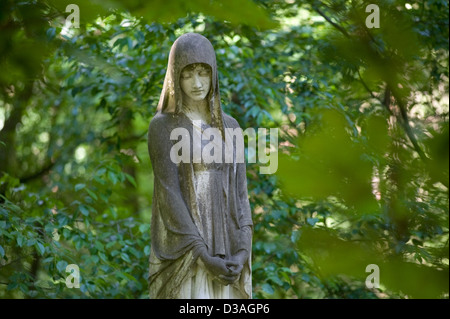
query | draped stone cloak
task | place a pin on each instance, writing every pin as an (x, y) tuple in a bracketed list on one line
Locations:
[(176, 230)]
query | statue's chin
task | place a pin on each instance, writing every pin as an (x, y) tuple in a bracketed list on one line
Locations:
[(197, 98)]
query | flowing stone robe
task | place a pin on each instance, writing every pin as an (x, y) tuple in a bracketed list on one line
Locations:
[(195, 205)]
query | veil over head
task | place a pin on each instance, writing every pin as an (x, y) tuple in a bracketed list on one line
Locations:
[(188, 49)]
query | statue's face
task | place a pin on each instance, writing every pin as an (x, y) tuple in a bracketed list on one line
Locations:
[(195, 81)]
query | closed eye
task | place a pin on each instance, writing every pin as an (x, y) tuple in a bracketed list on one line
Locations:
[(186, 75)]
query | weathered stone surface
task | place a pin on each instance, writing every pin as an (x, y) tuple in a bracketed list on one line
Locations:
[(201, 227)]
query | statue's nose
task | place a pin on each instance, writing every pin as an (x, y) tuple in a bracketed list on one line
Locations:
[(197, 82)]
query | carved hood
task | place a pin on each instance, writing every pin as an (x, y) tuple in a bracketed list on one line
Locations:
[(188, 49)]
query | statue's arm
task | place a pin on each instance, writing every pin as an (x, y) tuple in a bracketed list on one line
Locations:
[(172, 207), (241, 256), (245, 215)]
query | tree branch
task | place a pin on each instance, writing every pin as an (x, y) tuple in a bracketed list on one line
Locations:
[(44, 170), (367, 87), (409, 132), (334, 24), (404, 121)]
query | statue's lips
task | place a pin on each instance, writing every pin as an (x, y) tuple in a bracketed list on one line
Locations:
[(197, 92)]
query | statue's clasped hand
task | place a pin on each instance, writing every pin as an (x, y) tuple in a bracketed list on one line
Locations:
[(234, 267), (226, 271), (233, 272)]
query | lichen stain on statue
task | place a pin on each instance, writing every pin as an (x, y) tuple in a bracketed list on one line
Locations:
[(201, 227)]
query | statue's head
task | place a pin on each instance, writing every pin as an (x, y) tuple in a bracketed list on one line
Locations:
[(192, 74)]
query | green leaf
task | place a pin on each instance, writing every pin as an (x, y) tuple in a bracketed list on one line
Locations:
[(110, 244), (20, 240), (95, 259), (305, 277), (147, 250), (84, 210), (40, 248), (92, 194), (99, 246), (126, 276), (48, 260), (144, 228), (103, 257), (276, 280), (237, 12), (12, 285), (312, 221), (125, 257), (61, 265), (112, 177), (79, 186), (268, 289), (131, 179), (2, 252), (31, 242), (135, 252), (101, 171), (23, 287)]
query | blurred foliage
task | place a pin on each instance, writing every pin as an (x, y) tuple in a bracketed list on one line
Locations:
[(363, 155)]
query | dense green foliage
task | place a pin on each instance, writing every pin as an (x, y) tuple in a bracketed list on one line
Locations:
[(363, 147)]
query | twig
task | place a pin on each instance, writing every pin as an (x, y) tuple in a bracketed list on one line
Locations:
[(367, 87), (409, 132), (334, 24), (44, 170)]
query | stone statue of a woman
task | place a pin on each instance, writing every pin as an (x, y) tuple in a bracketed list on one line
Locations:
[(201, 228)]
